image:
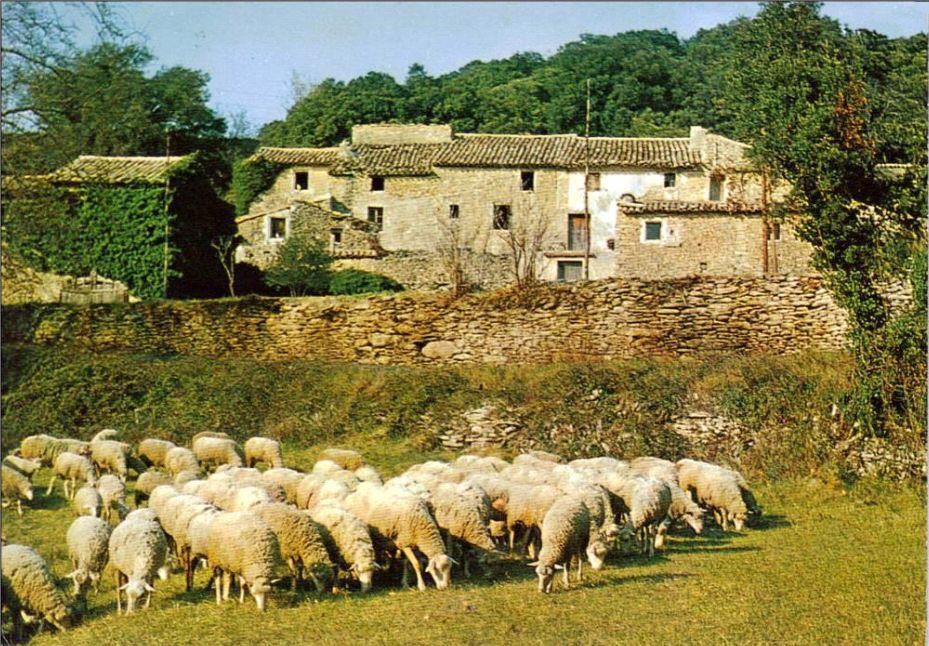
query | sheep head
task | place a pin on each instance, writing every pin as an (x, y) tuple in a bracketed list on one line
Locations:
[(440, 567)]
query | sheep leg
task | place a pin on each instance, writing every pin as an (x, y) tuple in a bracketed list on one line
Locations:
[(188, 570), (580, 565), (227, 584), (415, 563), (405, 579), (524, 542), (512, 535), (51, 484), (241, 590), (119, 583), (19, 506), (219, 586), (567, 569)]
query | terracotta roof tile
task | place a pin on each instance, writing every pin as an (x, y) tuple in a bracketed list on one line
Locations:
[(115, 170), (298, 156), (636, 208)]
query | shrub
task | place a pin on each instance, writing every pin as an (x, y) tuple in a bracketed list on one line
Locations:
[(357, 281), (250, 179), (301, 267)]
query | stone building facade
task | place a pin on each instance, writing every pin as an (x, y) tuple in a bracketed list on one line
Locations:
[(403, 199)]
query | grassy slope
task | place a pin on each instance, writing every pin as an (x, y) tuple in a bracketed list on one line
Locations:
[(829, 565)]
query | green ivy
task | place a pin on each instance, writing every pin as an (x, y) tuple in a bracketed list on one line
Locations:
[(357, 281), (251, 178)]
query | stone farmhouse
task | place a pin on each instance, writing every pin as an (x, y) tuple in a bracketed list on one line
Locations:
[(397, 199)]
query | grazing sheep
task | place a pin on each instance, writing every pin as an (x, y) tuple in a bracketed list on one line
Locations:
[(26, 467), (301, 543), (87, 501), (644, 504), (241, 544), (175, 518), (88, 541), (105, 434), (113, 492), (154, 452), (307, 489), (138, 552), (348, 541), (141, 514), (326, 468), (263, 449), (29, 589), (46, 448), (345, 458), (14, 486), (287, 479), (721, 490), (368, 473), (184, 477), (664, 470), (71, 468), (214, 451), (160, 496), (526, 508), (403, 521), (216, 434), (565, 531), (604, 463), (682, 508), (147, 482), (462, 516), (112, 457), (179, 459)]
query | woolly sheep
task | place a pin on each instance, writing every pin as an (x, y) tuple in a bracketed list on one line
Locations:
[(263, 449), (71, 468), (141, 514), (154, 452), (30, 588), (88, 540), (184, 477), (403, 521), (177, 515), (192, 487), (344, 458), (307, 489), (46, 448), (180, 459), (368, 473), (603, 531), (112, 457), (247, 497), (348, 541), (215, 434), (332, 490), (138, 552), (646, 501), (15, 486), (147, 482), (113, 492), (300, 541), (160, 496), (565, 532), (241, 544), (532, 461), (664, 470), (287, 479), (26, 467), (721, 490), (87, 501), (214, 451), (105, 434), (326, 468), (526, 508), (604, 463), (682, 508), (463, 517)]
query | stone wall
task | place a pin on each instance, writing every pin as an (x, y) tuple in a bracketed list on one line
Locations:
[(579, 321), (425, 270)]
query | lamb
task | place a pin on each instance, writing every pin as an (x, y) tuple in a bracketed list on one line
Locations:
[(404, 521), (180, 459), (565, 532), (111, 456), (345, 458), (29, 589), (301, 543), (348, 541), (263, 449), (147, 482), (154, 452), (214, 451), (138, 552), (15, 486), (87, 501), (113, 493), (71, 467), (241, 544), (722, 490), (88, 540), (287, 479), (26, 467)]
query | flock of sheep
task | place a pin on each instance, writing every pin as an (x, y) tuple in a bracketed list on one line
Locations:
[(207, 504)]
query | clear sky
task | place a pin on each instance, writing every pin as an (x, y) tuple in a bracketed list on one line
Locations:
[(252, 50)]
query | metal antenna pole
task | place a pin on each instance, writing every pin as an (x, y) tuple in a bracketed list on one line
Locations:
[(586, 186)]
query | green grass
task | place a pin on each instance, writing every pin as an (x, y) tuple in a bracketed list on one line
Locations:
[(829, 564)]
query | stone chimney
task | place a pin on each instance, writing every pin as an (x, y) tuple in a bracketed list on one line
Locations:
[(698, 141), (387, 134)]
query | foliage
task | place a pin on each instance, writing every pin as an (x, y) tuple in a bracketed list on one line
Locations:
[(251, 178), (356, 281), (301, 267)]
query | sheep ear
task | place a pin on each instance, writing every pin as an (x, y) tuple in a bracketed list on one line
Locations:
[(559, 567), (276, 581)]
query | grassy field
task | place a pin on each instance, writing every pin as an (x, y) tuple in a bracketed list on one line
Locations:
[(829, 564)]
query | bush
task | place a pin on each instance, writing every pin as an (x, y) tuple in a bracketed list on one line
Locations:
[(357, 281), (301, 267), (250, 179)]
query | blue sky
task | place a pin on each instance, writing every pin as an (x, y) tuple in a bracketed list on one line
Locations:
[(252, 50)]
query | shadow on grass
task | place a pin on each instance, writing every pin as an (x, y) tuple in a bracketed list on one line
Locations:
[(659, 577), (770, 522), (52, 503)]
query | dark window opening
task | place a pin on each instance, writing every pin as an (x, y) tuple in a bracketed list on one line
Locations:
[(570, 270), (501, 216), (376, 216), (527, 180), (453, 211), (774, 233), (301, 180), (593, 181), (336, 236), (377, 183), (670, 180), (653, 230), (278, 228), (716, 189), (577, 232), (627, 197), (611, 244)]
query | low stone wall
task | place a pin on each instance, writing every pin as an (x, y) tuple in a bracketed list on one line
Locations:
[(580, 321), (423, 270)]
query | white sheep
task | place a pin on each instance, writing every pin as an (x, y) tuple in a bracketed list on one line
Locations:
[(263, 449), (141, 514), (180, 459), (87, 501), (214, 451), (525, 509), (112, 457), (14, 486), (71, 468), (113, 492), (138, 552), (368, 473), (154, 452), (215, 434), (326, 468), (147, 482), (241, 544), (721, 490), (682, 508), (348, 541), (26, 467), (462, 515), (160, 496), (245, 498), (287, 479), (307, 489), (565, 532), (300, 541), (176, 517), (344, 458), (29, 589), (184, 477), (644, 504), (664, 470), (88, 540), (46, 448)]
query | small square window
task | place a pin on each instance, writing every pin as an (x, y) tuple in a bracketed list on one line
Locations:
[(611, 244), (453, 212), (377, 183), (502, 216), (527, 180), (653, 231), (277, 228), (336, 236), (301, 180), (670, 180), (376, 215), (716, 189), (593, 181), (570, 270), (775, 231)]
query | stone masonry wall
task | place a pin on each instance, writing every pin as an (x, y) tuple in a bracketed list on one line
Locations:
[(577, 321)]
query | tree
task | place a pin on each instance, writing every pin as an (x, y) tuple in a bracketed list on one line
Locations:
[(526, 240), (301, 267), (225, 246)]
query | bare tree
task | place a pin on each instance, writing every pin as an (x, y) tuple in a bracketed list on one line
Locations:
[(225, 247), (526, 239), (452, 254)]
